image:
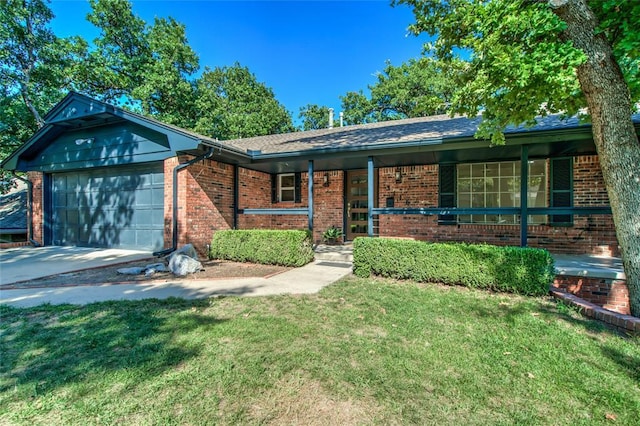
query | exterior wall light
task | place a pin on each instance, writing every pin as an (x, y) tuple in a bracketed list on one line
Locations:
[(325, 179), (398, 175)]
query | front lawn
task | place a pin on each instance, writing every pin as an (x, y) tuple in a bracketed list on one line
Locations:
[(362, 351)]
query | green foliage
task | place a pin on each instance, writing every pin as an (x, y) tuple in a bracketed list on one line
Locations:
[(34, 66), (150, 69), (166, 92), (269, 247), (620, 22), (519, 66), (118, 63), (332, 234), (512, 269), (233, 104), (357, 108), (417, 88), (314, 117)]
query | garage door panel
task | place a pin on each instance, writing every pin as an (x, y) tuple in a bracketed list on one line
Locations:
[(120, 207)]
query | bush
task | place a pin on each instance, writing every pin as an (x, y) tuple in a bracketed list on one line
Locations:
[(526, 271), (269, 247)]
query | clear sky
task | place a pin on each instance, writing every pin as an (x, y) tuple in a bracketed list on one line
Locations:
[(306, 51)]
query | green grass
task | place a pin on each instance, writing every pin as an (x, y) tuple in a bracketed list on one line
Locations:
[(362, 351)]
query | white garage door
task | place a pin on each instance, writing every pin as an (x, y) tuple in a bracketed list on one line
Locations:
[(117, 207)]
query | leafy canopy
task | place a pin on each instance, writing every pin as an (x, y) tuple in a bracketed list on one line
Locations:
[(519, 67), (417, 88), (232, 103), (314, 117), (150, 69)]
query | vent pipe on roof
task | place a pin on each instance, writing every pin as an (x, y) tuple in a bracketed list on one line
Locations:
[(341, 118), (331, 118)]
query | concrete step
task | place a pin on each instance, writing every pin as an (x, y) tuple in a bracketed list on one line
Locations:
[(334, 253)]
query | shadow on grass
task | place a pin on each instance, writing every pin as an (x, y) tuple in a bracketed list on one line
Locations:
[(49, 346), (630, 364)]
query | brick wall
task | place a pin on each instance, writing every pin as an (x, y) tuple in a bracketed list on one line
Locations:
[(255, 192), (594, 234), (205, 201), (169, 165), (328, 208), (611, 294), (37, 201)]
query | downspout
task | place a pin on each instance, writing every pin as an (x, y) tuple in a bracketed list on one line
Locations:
[(29, 210), (174, 218)]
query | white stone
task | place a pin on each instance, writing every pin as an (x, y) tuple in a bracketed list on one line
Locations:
[(157, 267), (135, 270), (181, 265), (187, 250)]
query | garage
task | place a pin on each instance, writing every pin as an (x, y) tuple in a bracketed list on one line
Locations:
[(112, 207)]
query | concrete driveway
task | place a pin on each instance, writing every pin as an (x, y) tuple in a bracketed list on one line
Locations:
[(26, 263), (308, 279)]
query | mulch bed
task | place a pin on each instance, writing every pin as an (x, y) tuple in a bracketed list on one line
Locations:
[(213, 270)]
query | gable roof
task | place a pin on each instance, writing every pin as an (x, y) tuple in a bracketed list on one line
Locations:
[(76, 111), (437, 138)]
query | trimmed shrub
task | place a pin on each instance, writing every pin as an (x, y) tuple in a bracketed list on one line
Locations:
[(526, 271), (269, 247)]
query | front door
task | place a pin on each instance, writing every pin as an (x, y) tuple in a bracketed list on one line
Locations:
[(356, 204)]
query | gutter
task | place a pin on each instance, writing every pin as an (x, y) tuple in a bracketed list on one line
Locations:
[(29, 210), (174, 216)]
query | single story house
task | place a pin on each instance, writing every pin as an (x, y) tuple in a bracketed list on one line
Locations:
[(102, 176), (13, 216)]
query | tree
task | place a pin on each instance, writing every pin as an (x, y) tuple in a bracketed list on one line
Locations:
[(417, 88), (118, 63), (314, 117), (233, 104), (535, 57), (357, 108), (33, 71), (167, 92)]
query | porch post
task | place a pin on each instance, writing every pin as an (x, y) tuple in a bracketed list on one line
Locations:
[(524, 194), (370, 194), (236, 194), (310, 213)]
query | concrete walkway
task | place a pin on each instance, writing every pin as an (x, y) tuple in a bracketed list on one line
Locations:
[(27, 263), (305, 280), (332, 263)]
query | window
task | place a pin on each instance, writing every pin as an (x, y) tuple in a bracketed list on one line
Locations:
[(486, 185), (286, 187)]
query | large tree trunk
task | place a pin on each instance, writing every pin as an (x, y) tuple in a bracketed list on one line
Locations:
[(615, 138)]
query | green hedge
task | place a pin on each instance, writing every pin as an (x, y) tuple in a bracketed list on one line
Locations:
[(269, 247), (512, 269)]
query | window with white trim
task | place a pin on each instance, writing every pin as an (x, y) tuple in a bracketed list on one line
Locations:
[(287, 187), (487, 185)]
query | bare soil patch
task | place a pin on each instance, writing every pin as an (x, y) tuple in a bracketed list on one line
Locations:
[(213, 270)]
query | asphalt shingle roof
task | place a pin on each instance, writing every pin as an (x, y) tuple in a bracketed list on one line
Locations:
[(13, 210), (434, 128)]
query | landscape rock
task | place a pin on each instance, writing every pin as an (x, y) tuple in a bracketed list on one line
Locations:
[(136, 270), (181, 265), (157, 267), (186, 250)]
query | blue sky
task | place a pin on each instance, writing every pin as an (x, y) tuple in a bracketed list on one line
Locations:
[(306, 51)]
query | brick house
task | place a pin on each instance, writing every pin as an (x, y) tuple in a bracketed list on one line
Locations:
[(105, 177)]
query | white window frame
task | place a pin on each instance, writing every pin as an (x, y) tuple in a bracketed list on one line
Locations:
[(282, 188)]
